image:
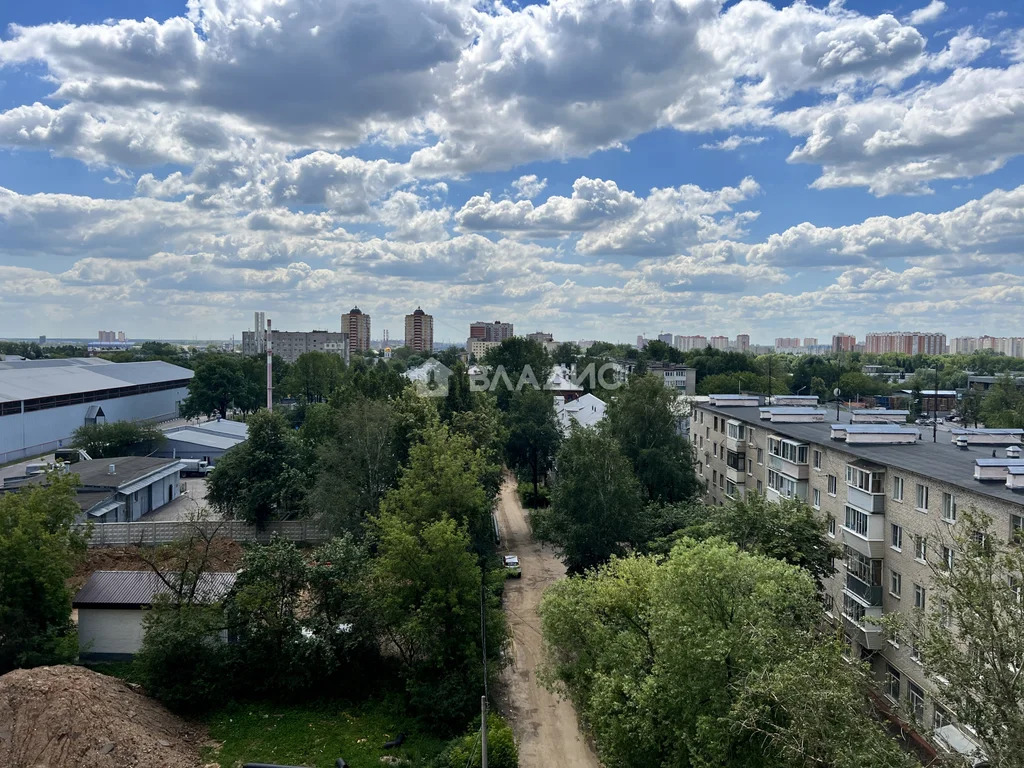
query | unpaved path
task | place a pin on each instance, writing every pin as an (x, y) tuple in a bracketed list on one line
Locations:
[(545, 726)]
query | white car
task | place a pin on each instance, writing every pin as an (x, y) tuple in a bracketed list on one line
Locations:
[(512, 568)]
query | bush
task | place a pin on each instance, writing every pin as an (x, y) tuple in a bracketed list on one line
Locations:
[(184, 661), (464, 751)]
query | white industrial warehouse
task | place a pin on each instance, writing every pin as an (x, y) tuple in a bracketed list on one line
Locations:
[(42, 402)]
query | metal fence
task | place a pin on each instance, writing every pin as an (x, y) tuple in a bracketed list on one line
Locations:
[(165, 531)]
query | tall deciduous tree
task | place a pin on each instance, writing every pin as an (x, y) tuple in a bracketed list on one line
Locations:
[(262, 477), (1003, 406), (426, 597), (642, 419), (533, 434), (38, 550), (314, 376), (711, 657), (522, 360), (972, 635), (356, 465), (596, 502), (118, 438), (217, 383)]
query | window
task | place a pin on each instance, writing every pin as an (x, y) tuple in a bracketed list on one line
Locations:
[(721, 480), (736, 460), (941, 717), (948, 507), (760, 487), (919, 597), (896, 537), (895, 584), (760, 455), (892, 682), (863, 568), (915, 649), (897, 489), (730, 488), (1014, 584), (916, 701), (830, 603), (788, 450), (947, 558), (921, 548), (922, 497), (833, 484), (816, 495), (832, 527), (736, 431), (817, 459), (714, 449), (702, 417), (716, 423), (852, 610), (714, 477), (784, 486), (869, 482), (750, 466), (1016, 529), (857, 521)]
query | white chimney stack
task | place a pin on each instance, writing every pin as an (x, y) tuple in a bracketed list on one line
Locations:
[(111, 469), (270, 370)]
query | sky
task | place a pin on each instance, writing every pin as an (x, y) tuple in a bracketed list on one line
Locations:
[(590, 168)]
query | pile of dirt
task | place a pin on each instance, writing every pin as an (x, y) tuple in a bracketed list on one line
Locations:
[(71, 717), (225, 555)]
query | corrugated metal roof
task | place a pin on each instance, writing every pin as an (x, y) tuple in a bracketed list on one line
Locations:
[(28, 379), (999, 462), (985, 431), (138, 588), (874, 429), (205, 439), (224, 427)]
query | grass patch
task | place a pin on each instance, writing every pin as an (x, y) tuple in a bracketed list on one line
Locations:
[(316, 735)]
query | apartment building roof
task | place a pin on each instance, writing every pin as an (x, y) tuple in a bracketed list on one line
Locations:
[(942, 461)]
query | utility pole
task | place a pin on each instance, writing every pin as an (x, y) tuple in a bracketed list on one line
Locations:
[(935, 406), (483, 732), (483, 643)]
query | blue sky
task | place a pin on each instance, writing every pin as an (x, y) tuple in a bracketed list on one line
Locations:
[(592, 168)]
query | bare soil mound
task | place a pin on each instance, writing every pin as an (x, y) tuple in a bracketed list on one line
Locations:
[(225, 555), (71, 717)]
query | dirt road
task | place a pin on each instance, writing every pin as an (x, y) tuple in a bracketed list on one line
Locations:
[(544, 725)]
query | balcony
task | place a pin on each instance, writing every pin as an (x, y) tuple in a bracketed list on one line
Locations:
[(869, 502), (796, 471), (869, 636), (867, 594), (738, 476), (870, 543)]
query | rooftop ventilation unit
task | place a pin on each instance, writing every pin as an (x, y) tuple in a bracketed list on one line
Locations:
[(804, 400), (875, 434), (995, 469), (994, 437), (1015, 477), (961, 442), (1013, 451), (878, 416), (734, 401), (791, 415)]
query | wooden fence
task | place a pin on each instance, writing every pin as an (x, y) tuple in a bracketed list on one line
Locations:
[(164, 532)]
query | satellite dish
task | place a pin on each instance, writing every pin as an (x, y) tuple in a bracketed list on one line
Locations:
[(837, 391)]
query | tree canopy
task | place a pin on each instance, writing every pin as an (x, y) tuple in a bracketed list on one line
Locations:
[(117, 438)]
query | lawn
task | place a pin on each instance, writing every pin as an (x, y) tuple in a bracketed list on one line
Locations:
[(315, 735)]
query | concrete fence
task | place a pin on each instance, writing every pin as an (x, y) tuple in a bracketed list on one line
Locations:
[(164, 532)]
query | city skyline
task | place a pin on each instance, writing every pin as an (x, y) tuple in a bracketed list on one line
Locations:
[(675, 168)]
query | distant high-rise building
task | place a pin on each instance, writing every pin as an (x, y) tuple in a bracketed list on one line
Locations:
[(905, 343), (259, 342), (687, 343), (496, 331), (540, 337), (419, 331), (787, 343), (356, 324), (122, 337), (665, 338), (42, 340), (719, 342), (289, 345), (843, 342), (107, 337), (810, 341), (743, 343), (641, 342), (1011, 346)]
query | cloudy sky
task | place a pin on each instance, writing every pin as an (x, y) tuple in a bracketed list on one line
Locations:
[(592, 168)]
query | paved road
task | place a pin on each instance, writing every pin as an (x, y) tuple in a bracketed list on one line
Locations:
[(545, 726)]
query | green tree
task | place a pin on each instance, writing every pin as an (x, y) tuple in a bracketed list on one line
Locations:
[(523, 361), (566, 353), (533, 433), (711, 657), (787, 530), (1003, 406), (856, 384), (596, 502), (217, 383), (426, 596), (972, 635), (642, 420), (314, 376), (38, 551), (916, 403), (458, 398), (444, 477), (969, 408), (118, 438), (357, 465), (262, 477)]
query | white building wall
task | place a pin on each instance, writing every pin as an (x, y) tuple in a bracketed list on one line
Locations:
[(104, 631), (37, 432)]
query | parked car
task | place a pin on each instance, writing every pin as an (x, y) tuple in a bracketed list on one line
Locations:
[(512, 568)]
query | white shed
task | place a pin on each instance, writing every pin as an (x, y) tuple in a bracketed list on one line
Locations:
[(112, 605)]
